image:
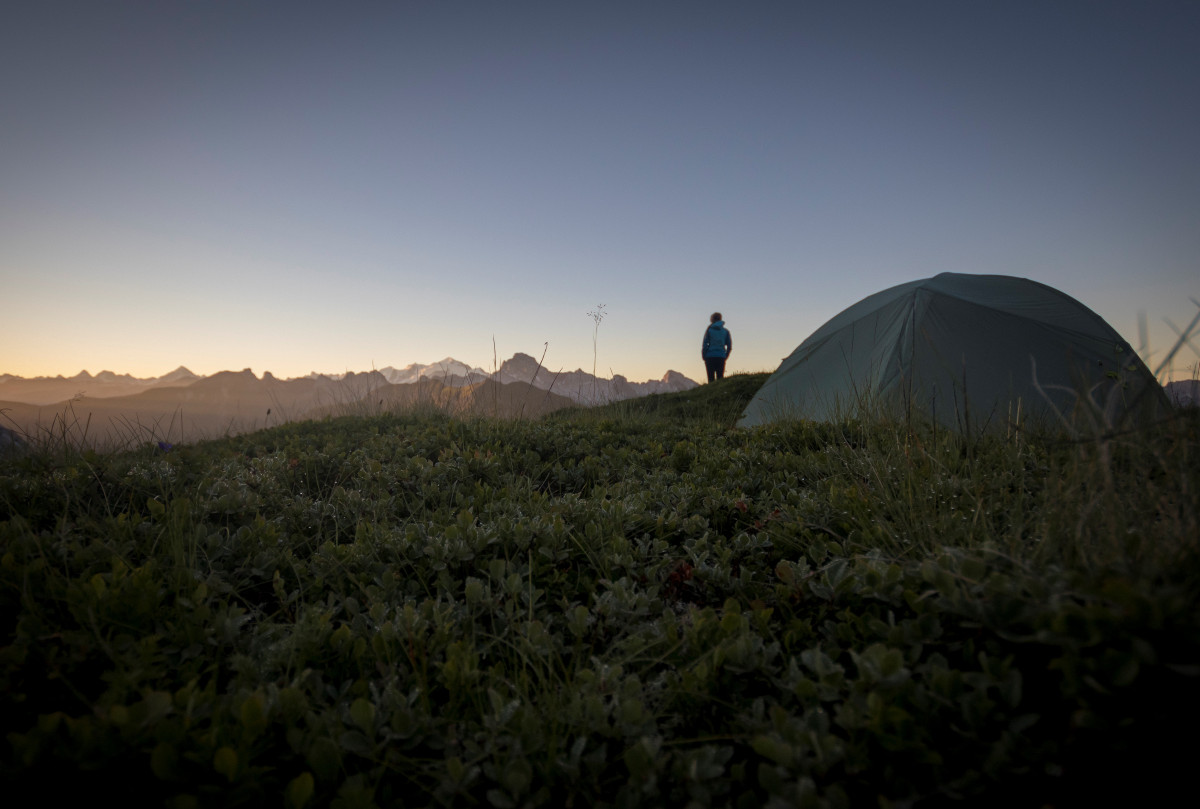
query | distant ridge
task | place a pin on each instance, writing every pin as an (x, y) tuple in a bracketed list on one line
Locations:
[(45, 390), (446, 371), (183, 406), (577, 385), (582, 387), (1184, 392), (180, 374), (483, 397)]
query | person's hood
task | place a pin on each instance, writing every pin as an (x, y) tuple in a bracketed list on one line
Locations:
[(720, 324)]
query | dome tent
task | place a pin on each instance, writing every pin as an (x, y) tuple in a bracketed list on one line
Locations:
[(971, 351)]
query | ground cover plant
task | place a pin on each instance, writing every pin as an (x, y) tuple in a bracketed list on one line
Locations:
[(631, 606)]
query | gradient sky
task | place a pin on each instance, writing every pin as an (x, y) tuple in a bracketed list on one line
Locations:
[(327, 187)]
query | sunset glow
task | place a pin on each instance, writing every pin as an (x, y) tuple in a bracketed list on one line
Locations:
[(307, 187)]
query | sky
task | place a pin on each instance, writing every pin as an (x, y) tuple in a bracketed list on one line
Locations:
[(299, 187)]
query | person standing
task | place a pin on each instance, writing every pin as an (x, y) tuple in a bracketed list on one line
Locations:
[(716, 348)]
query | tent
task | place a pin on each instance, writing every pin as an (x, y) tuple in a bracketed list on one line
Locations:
[(971, 351)]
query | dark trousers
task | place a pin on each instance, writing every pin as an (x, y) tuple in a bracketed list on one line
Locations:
[(715, 367)]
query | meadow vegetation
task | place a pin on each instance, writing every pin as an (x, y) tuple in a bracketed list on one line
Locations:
[(634, 605)]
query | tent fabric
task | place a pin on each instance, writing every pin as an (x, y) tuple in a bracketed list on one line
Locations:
[(972, 351)]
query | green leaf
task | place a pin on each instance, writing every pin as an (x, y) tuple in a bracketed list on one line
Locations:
[(325, 758), (299, 791), (354, 742), (640, 757), (517, 776), (253, 715), (164, 761), (362, 711), (577, 621), (785, 572), (354, 794), (292, 703), (225, 762), (158, 704), (498, 799), (773, 748), (473, 590), (632, 712)]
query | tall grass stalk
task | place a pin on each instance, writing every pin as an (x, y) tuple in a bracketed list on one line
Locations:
[(597, 315), (532, 379)]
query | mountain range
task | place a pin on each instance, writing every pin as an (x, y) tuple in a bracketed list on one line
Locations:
[(578, 385), (181, 405), (1184, 392), (44, 390)]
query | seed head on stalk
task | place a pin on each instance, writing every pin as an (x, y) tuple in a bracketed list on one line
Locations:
[(596, 315)]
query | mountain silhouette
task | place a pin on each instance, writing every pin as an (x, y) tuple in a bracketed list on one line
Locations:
[(113, 409), (45, 390), (580, 386)]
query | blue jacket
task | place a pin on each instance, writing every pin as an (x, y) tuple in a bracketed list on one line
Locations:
[(717, 341)]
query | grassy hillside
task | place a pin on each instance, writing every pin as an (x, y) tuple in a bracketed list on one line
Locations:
[(719, 403), (618, 607)]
